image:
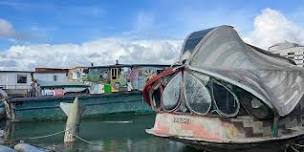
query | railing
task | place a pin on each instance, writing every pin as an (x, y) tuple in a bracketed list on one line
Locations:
[(15, 86)]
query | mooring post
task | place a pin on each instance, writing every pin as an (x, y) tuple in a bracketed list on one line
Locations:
[(73, 122)]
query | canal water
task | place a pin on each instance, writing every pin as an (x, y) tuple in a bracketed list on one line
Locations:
[(110, 134)]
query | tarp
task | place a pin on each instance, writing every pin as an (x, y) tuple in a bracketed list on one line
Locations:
[(220, 52)]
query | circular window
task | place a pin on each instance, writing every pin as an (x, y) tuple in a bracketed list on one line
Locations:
[(171, 92), (198, 97), (225, 100)]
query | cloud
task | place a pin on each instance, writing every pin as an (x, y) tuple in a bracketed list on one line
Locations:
[(8, 32), (143, 26), (6, 29), (271, 27), (100, 52), (144, 21)]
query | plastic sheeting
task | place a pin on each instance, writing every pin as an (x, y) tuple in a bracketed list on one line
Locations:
[(222, 54)]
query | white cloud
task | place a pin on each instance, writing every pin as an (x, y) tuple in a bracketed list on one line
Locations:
[(271, 26), (143, 26), (6, 29), (100, 52)]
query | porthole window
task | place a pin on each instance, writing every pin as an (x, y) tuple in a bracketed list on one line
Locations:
[(226, 101), (197, 96), (171, 93)]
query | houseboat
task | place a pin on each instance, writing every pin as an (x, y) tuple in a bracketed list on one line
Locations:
[(103, 90), (228, 95)]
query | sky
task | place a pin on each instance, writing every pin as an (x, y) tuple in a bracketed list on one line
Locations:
[(67, 33)]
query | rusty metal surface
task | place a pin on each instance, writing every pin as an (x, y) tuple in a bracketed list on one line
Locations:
[(213, 129)]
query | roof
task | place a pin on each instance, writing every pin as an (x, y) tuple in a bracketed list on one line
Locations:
[(12, 71), (50, 70), (78, 67), (129, 66), (283, 46)]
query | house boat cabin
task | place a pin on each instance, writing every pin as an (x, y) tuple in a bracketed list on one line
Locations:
[(103, 90), (16, 83), (121, 77), (228, 95)]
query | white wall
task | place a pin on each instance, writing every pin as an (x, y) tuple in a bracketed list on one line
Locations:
[(76, 74), (297, 56), (9, 80), (61, 77)]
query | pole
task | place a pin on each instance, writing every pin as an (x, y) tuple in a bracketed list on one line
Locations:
[(73, 122)]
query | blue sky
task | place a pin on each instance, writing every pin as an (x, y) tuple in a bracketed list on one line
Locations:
[(71, 21), (76, 33)]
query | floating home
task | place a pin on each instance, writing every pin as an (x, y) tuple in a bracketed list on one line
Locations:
[(77, 74), (289, 50), (121, 77), (228, 96), (16, 83), (51, 74), (107, 90)]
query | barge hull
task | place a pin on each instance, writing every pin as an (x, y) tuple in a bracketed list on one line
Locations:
[(48, 108)]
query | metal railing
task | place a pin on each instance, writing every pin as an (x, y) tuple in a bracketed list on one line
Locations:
[(22, 86)]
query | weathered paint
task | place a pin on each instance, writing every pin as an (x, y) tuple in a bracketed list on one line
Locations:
[(211, 129), (40, 109), (73, 122), (203, 128)]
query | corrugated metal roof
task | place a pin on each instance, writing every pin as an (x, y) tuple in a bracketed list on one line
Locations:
[(15, 71)]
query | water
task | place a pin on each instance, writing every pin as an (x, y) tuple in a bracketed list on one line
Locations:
[(111, 134)]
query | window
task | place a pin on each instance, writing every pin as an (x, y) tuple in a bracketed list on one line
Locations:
[(225, 100), (290, 53), (54, 77), (198, 97), (171, 93), (194, 39), (78, 75), (114, 73), (21, 78), (254, 106)]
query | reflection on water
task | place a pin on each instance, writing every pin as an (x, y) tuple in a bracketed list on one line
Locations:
[(110, 134)]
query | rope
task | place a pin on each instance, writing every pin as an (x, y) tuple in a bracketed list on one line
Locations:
[(57, 133), (295, 147), (45, 136), (299, 145), (85, 141)]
